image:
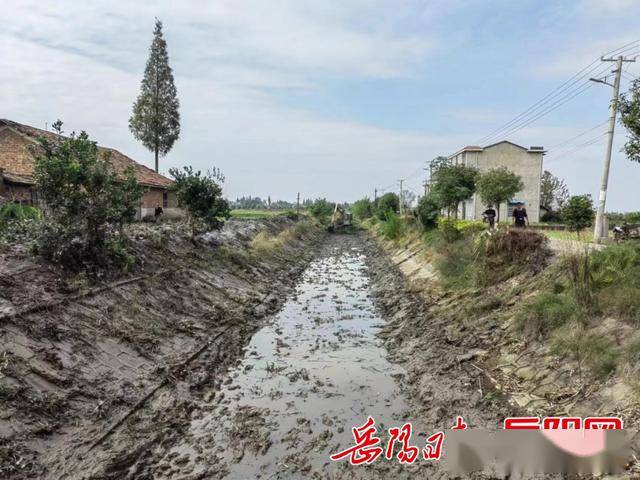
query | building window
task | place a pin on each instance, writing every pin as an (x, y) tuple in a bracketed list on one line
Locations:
[(165, 199)]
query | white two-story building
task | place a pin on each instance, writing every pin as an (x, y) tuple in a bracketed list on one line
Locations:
[(525, 162)]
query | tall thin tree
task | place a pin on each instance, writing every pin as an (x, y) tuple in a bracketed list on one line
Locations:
[(156, 120)]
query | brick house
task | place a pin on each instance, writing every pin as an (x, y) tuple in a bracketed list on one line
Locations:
[(16, 171)]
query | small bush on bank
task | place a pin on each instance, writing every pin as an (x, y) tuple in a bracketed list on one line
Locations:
[(470, 227), (362, 209), (291, 214), (392, 228), (200, 194), (14, 212), (456, 263), (428, 210), (606, 282), (88, 203), (546, 313), (389, 202), (452, 229), (590, 350), (577, 214), (321, 210), (447, 227)]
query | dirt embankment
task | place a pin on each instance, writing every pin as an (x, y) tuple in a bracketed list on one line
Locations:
[(464, 343), (94, 377)]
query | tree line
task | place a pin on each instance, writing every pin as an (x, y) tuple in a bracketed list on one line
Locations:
[(452, 184)]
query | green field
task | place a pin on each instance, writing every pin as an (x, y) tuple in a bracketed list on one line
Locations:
[(254, 214), (585, 236)]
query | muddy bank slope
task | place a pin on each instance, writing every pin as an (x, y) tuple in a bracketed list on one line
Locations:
[(92, 376), (442, 378), (463, 355)]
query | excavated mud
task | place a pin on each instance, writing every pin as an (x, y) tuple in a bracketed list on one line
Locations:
[(237, 366), (93, 377), (307, 377), (331, 357)]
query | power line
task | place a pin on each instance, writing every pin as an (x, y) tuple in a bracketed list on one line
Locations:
[(563, 89), (557, 102), (574, 86), (583, 88), (565, 142), (576, 148)]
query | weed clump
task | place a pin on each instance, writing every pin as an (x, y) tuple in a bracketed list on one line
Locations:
[(598, 354), (545, 314), (392, 228), (606, 282)]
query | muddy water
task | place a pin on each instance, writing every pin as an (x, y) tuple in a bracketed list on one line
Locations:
[(310, 375)]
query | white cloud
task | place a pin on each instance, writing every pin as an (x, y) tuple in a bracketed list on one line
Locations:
[(285, 34), (263, 147), (597, 7), (578, 54)]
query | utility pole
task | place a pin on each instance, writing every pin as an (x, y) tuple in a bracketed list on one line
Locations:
[(599, 231), (375, 195), (401, 202), (298, 205)]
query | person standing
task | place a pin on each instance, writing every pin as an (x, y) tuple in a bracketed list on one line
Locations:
[(490, 216), (520, 218)]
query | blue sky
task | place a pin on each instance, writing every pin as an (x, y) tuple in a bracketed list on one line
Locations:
[(331, 98)]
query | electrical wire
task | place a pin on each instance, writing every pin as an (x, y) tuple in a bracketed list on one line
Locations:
[(568, 95), (577, 148), (568, 141), (566, 90), (571, 88)]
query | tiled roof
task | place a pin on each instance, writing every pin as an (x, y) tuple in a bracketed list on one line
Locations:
[(17, 160), (17, 178)]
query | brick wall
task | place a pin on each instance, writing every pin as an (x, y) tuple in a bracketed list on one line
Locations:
[(19, 193), (14, 156)]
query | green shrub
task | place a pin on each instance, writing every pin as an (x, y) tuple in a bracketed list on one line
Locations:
[(577, 213), (590, 350), (428, 210), (607, 281), (546, 313), (389, 202), (456, 263), (621, 301), (470, 227), (87, 200), (291, 214), (362, 209), (616, 265), (393, 227), (14, 212), (321, 210), (448, 229), (200, 194)]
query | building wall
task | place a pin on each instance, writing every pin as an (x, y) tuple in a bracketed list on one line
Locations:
[(156, 196), (14, 155), (526, 164), (18, 193)]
